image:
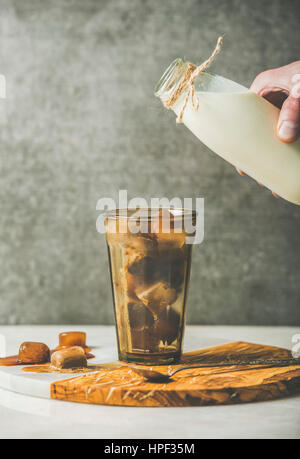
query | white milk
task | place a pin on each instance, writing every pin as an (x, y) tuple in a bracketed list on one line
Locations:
[(240, 127)]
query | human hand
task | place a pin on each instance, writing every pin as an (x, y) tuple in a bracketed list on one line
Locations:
[(281, 87)]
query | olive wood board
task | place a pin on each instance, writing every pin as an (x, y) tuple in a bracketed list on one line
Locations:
[(193, 387)]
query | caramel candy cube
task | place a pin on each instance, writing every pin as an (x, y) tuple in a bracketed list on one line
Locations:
[(31, 352), (69, 339), (73, 357)]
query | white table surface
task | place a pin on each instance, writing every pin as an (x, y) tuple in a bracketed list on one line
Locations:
[(22, 416)]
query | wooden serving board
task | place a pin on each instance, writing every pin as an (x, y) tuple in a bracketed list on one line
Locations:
[(194, 387)]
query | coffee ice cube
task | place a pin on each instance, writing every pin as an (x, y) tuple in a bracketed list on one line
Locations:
[(157, 296), (170, 240), (144, 340), (136, 242), (72, 357), (167, 325), (144, 268), (139, 316), (31, 352), (170, 267)]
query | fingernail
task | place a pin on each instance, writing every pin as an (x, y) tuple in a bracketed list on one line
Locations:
[(287, 130), (240, 172)]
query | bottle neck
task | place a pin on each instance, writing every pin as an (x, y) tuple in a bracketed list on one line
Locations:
[(171, 79)]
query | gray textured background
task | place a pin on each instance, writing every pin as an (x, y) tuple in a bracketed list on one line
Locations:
[(80, 122)]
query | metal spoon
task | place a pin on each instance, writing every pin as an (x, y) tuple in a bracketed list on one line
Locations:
[(156, 376)]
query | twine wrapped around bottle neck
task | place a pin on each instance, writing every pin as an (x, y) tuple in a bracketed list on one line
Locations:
[(187, 83)]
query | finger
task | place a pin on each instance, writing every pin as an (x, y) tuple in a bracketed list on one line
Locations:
[(288, 128), (276, 98), (241, 172), (272, 81)]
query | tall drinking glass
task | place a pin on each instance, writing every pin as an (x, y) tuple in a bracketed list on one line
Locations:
[(150, 268)]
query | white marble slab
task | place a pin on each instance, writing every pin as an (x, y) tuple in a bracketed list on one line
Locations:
[(38, 384), (23, 416)]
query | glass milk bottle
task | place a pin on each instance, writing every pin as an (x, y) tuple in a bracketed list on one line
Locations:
[(236, 124)]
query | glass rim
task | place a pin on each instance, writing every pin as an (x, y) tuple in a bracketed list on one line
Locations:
[(172, 77), (168, 76), (149, 213)]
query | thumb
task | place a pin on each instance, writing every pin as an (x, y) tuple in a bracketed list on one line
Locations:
[(288, 128)]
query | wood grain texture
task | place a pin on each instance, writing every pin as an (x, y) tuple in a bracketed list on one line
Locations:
[(193, 387)]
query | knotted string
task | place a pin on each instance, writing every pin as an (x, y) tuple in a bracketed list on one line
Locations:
[(191, 73)]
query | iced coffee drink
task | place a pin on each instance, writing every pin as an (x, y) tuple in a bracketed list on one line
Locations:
[(150, 267)]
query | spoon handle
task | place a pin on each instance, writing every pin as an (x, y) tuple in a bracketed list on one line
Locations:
[(264, 364)]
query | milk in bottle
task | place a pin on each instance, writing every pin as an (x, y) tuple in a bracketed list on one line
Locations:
[(238, 125)]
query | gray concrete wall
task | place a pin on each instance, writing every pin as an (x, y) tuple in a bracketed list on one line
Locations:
[(80, 122)]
